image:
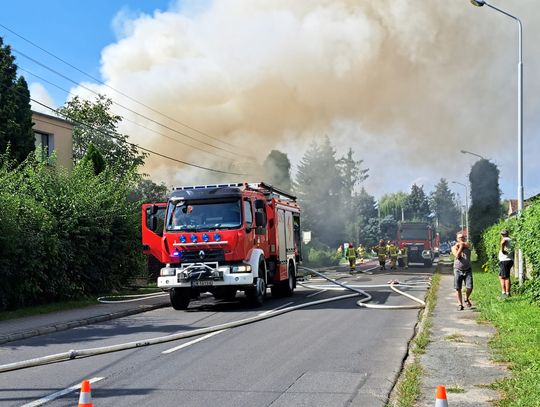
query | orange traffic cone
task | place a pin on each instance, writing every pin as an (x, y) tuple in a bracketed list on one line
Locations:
[(440, 398), (85, 399)]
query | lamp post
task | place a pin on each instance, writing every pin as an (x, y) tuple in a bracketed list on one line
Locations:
[(466, 206), (468, 152), (480, 3)]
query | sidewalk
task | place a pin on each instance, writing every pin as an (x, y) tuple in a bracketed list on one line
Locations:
[(458, 356), (27, 327)]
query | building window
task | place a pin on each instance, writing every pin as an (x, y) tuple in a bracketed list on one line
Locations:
[(45, 141)]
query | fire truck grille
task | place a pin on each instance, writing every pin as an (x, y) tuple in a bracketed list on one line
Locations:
[(415, 252), (201, 256)]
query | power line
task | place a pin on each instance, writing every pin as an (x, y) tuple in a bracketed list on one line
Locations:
[(128, 120), (116, 137), (124, 107), (116, 90)]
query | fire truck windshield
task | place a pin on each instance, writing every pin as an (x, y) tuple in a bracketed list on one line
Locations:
[(414, 234), (203, 215)]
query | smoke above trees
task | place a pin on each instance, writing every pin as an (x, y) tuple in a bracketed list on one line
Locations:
[(393, 77)]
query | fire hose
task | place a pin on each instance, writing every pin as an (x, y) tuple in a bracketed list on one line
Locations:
[(74, 354)]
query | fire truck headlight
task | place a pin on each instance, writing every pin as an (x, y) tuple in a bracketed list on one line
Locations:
[(167, 271), (245, 268)]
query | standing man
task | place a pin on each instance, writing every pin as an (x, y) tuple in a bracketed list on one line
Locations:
[(403, 254), (351, 256), (361, 251), (393, 254), (380, 250), (462, 270), (505, 263)]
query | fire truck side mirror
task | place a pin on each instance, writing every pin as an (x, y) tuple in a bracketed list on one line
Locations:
[(154, 209), (259, 204), (260, 219)]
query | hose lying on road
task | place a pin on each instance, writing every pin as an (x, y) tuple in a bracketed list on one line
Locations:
[(73, 354), (115, 299)]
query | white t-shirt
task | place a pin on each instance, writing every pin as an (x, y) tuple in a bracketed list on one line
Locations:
[(508, 245)]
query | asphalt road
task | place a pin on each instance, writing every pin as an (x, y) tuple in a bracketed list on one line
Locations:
[(334, 354)]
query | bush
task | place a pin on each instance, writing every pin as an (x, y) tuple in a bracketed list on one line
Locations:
[(319, 255), (525, 231), (65, 234)]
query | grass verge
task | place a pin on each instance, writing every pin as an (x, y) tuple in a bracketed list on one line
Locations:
[(68, 305), (408, 386), (517, 342)]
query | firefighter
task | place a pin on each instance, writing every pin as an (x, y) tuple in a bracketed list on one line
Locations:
[(351, 256), (380, 250), (392, 253), (403, 254), (361, 252)]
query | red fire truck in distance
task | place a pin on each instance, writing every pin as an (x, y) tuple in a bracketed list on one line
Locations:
[(224, 238), (419, 238)]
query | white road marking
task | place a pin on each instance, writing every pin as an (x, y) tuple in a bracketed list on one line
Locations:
[(202, 338), (60, 393), (185, 345)]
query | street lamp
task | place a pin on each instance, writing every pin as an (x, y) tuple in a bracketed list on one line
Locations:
[(468, 152), (466, 206), (480, 3)]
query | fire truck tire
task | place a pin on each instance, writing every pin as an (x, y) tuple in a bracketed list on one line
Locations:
[(180, 298), (428, 263), (256, 295), (288, 286)]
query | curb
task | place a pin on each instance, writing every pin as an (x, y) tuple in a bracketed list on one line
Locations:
[(47, 329)]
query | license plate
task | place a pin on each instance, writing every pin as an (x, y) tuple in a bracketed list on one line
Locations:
[(202, 283), (414, 249)]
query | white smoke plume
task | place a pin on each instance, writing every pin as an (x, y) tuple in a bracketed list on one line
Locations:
[(405, 83)]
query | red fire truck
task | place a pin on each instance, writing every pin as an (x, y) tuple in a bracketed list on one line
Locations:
[(224, 238), (419, 238)]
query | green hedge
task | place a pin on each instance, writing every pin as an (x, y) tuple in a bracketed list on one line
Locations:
[(525, 231), (64, 234)]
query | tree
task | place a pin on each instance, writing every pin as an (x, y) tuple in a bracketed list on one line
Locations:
[(366, 207), (148, 191), (15, 113), (95, 124), (446, 211), (393, 204), (485, 209), (277, 169), (351, 175), (319, 188), (94, 156), (417, 205)]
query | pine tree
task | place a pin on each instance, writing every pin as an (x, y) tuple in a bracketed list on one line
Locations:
[(417, 205), (446, 211), (15, 112), (319, 189)]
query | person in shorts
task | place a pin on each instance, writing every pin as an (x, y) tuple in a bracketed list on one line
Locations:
[(506, 262), (462, 270)]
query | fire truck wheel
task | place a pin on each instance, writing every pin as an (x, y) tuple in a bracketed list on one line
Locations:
[(256, 295), (180, 298), (288, 286), (428, 263)]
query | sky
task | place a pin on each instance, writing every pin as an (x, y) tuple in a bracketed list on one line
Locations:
[(406, 84)]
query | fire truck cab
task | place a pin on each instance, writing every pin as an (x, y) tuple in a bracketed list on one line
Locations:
[(224, 238)]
